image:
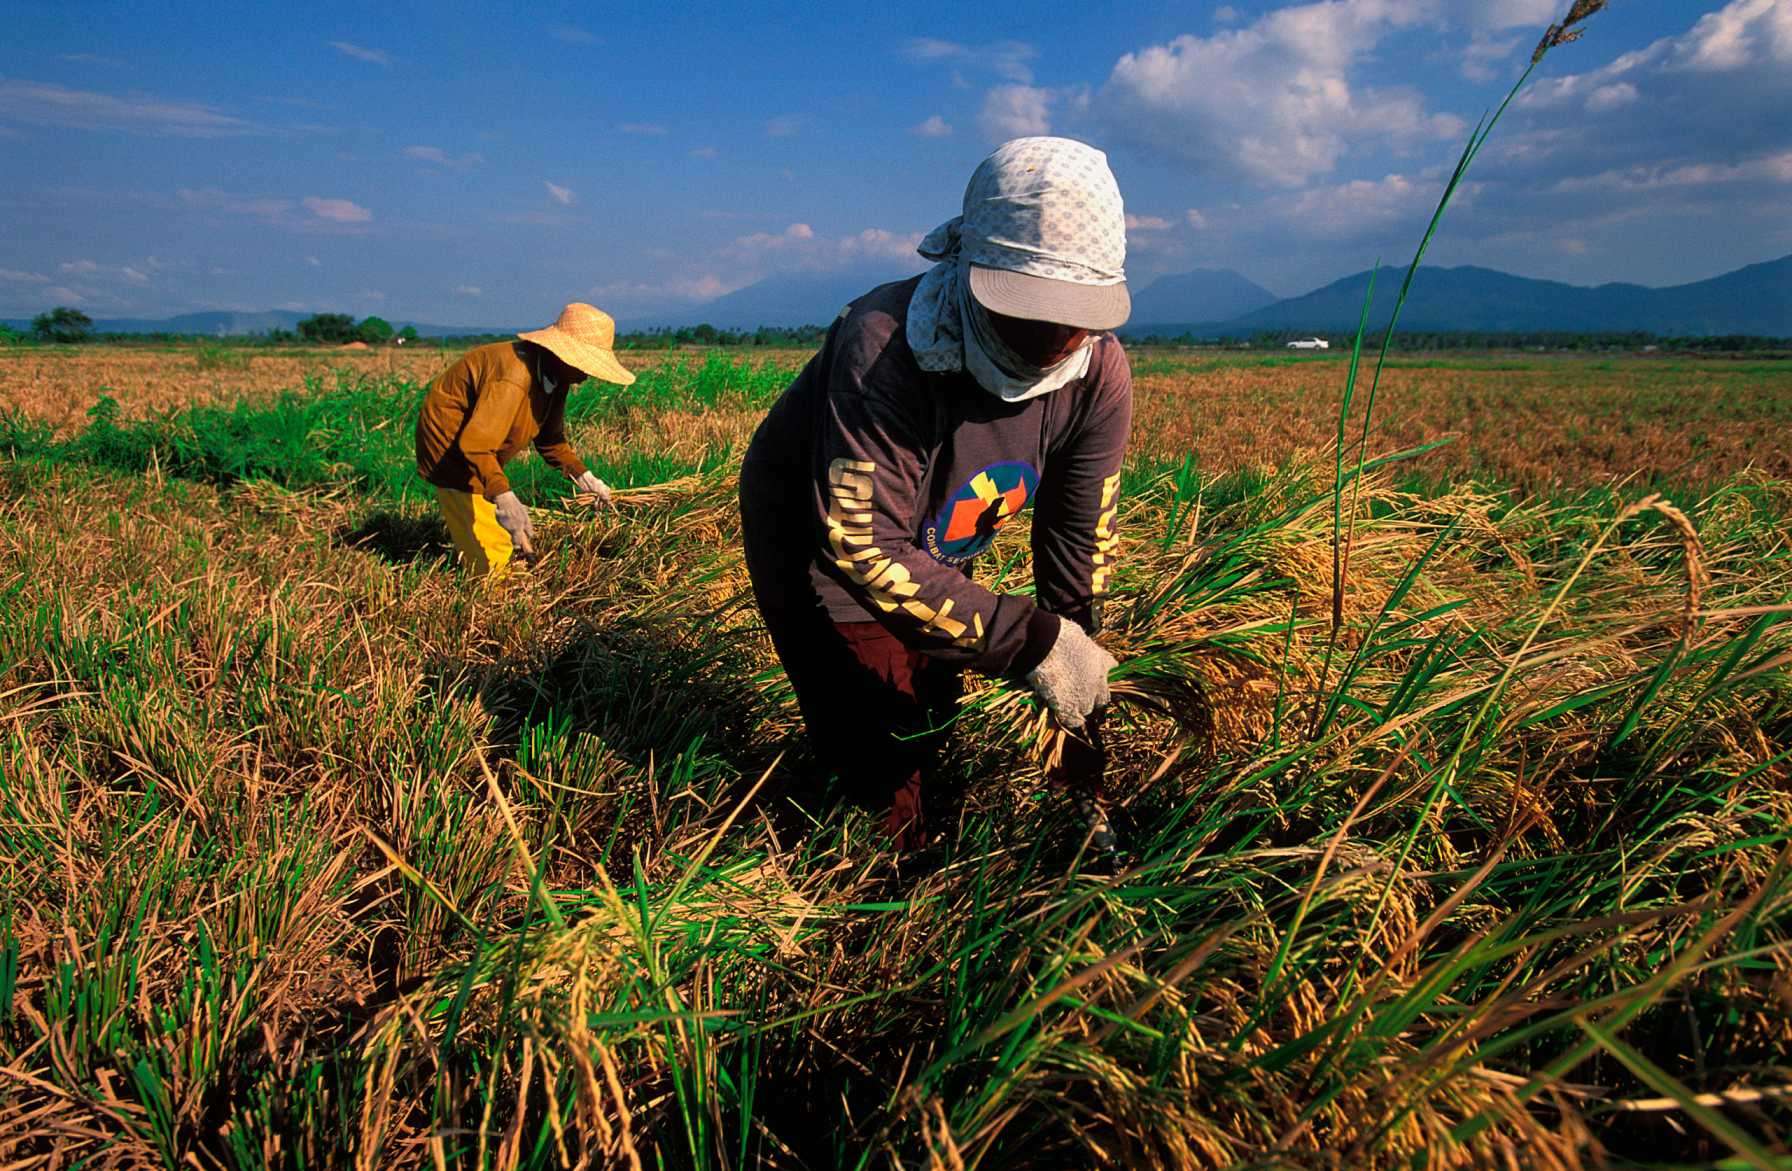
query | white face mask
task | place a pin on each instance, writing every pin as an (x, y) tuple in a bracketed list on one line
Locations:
[(1001, 371), (948, 332), (1043, 207)]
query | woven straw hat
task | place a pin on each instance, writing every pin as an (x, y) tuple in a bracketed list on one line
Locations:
[(584, 338)]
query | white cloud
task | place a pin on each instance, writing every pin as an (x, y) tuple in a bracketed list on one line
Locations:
[(1491, 39), (641, 128), (337, 211), (441, 158), (468, 290), (1225, 14), (1146, 223), (1611, 97), (1273, 101), (1485, 54), (648, 295), (560, 195), (704, 152), (314, 262), (1015, 111), (45, 104), (753, 257), (783, 126), (1711, 96), (800, 247), (63, 295), (1657, 165), (1772, 168), (572, 34), (1008, 60), (1499, 15), (1744, 37), (362, 53), (934, 127), (92, 275), (272, 210), (929, 49), (1364, 206), (1741, 34)]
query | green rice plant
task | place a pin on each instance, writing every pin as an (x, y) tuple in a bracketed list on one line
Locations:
[(310, 856), (359, 433), (220, 356), (266, 706)]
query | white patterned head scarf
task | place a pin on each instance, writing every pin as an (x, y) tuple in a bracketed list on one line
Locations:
[(1044, 207)]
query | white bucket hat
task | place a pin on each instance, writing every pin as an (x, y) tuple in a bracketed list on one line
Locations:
[(1043, 235)]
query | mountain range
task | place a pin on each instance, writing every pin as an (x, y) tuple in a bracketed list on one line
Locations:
[(1756, 299), (1206, 294)]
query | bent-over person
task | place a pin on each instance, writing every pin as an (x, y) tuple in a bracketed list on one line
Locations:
[(481, 413), (936, 410)]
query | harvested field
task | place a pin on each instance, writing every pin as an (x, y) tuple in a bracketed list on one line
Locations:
[(314, 853), (1535, 422), (1451, 781), (60, 384)]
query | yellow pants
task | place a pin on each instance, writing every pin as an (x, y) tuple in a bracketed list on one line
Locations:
[(485, 548)]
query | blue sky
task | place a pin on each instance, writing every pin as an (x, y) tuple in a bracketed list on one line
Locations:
[(462, 164)]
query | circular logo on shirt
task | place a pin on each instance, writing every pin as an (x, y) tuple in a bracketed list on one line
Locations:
[(967, 523)]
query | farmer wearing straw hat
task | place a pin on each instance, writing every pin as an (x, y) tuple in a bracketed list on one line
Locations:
[(483, 410), (937, 409)]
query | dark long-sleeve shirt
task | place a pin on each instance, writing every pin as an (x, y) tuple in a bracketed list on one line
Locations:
[(909, 476)]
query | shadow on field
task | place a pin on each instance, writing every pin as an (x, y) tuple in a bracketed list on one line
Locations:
[(399, 538), (673, 701)]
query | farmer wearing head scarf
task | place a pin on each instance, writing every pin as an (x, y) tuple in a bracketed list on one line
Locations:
[(483, 410), (937, 409)]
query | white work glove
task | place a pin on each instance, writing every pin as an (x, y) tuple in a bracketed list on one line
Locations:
[(515, 519), (1073, 678), (589, 485)]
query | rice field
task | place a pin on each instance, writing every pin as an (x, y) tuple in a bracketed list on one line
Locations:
[(1455, 795), (1534, 421), (60, 384)]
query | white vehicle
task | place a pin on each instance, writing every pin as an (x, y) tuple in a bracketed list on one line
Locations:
[(1310, 343)]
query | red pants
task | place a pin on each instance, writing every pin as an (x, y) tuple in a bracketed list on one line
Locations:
[(877, 711)]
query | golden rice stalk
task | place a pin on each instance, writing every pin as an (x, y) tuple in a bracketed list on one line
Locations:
[(1561, 34)]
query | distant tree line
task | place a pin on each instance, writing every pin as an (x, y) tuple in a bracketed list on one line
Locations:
[(663, 338), (1430, 340), (62, 325), (66, 326), (339, 329), (794, 337)]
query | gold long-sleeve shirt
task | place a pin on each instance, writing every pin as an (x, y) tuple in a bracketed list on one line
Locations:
[(482, 411)]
